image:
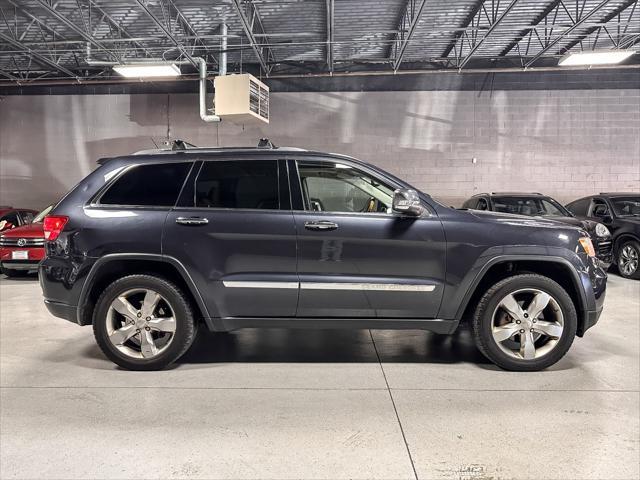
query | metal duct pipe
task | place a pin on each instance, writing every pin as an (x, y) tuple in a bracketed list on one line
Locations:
[(202, 66), (222, 61)]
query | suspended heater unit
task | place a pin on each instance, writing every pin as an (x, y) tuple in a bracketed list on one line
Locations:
[(241, 98)]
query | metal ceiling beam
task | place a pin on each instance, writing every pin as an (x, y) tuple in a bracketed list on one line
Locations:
[(167, 33), (9, 76), (493, 26), (566, 32), (188, 28), (462, 29), (408, 23), (35, 19), (72, 26), (114, 23), (330, 24), (41, 59), (605, 20), (523, 33), (252, 25)]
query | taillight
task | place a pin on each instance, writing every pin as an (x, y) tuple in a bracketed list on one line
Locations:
[(53, 225)]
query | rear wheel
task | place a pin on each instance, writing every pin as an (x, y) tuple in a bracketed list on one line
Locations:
[(525, 323), (143, 322), (629, 259)]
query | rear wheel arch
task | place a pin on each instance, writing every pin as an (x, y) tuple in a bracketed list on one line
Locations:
[(556, 269), (112, 267)]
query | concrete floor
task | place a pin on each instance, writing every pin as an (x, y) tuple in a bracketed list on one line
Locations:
[(316, 404)]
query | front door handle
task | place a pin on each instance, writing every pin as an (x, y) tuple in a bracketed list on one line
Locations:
[(192, 221), (321, 225)]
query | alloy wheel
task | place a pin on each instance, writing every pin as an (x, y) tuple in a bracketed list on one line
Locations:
[(527, 324), (141, 323), (628, 260)]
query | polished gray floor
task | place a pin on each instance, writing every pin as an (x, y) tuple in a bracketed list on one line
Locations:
[(279, 404)]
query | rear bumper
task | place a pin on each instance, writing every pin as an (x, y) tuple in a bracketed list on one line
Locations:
[(62, 310), (20, 264)]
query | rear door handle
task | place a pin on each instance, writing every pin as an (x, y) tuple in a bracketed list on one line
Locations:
[(321, 225), (192, 221)]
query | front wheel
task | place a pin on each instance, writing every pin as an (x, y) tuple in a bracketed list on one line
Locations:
[(143, 322), (629, 259), (525, 323)]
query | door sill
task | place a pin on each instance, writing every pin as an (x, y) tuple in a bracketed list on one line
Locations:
[(432, 325)]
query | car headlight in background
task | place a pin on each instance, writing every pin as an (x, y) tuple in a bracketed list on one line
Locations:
[(602, 231), (587, 245)]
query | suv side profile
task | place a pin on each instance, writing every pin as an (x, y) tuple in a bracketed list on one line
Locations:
[(148, 247)]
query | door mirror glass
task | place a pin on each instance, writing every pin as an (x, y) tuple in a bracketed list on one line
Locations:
[(407, 201)]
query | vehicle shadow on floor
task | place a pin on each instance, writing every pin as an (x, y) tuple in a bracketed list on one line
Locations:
[(332, 346)]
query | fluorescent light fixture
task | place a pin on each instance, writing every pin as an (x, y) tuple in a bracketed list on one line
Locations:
[(602, 57), (140, 70)]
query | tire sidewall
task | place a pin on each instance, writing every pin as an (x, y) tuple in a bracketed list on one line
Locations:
[(636, 246), (183, 335), (511, 285)]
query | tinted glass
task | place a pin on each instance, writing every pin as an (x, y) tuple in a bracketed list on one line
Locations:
[(532, 206), (626, 206), (579, 207), (148, 185), (329, 187), (27, 217), (238, 184)]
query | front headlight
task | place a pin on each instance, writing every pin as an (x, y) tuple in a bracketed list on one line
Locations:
[(587, 246), (602, 231)]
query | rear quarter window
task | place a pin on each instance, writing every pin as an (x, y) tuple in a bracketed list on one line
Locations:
[(155, 185)]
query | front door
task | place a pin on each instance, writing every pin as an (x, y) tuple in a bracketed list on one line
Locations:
[(234, 232), (356, 258)]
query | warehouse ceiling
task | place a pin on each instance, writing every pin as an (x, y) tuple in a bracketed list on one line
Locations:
[(78, 40)]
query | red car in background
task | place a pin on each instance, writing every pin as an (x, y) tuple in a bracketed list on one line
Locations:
[(22, 247), (15, 217)]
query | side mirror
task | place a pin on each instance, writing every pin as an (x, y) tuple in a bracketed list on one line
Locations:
[(407, 201)]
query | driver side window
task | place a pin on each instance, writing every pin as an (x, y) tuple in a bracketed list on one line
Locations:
[(334, 187), (598, 208)]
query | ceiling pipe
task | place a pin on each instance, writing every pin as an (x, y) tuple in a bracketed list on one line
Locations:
[(222, 61)]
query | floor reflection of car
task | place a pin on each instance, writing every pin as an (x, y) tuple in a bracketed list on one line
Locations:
[(22, 248), (620, 212), (538, 205), (11, 217)]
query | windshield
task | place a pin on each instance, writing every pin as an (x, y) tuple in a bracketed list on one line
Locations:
[(40, 217), (532, 206), (626, 206)]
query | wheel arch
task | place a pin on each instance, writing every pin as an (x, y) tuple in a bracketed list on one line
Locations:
[(556, 268), (111, 267), (623, 237)]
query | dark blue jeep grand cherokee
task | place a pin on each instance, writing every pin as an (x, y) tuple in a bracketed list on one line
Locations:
[(149, 246)]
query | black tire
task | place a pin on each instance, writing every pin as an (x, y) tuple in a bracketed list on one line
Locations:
[(635, 247), (185, 328), (483, 322)]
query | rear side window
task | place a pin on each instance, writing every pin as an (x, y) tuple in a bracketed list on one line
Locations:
[(248, 184), (156, 185)]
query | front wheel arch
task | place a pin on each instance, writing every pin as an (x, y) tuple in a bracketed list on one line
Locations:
[(560, 271)]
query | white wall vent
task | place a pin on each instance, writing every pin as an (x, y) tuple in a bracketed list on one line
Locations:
[(241, 98)]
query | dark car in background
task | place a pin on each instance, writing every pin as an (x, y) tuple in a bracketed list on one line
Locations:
[(538, 205), (149, 246), (620, 212), (22, 248)]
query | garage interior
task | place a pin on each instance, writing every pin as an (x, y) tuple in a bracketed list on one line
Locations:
[(457, 97)]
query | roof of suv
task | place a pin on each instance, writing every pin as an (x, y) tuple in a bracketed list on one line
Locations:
[(517, 194)]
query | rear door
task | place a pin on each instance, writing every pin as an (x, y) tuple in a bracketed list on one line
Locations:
[(355, 257), (234, 232)]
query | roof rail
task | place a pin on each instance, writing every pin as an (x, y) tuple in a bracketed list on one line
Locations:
[(516, 193), (266, 143), (178, 144)]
